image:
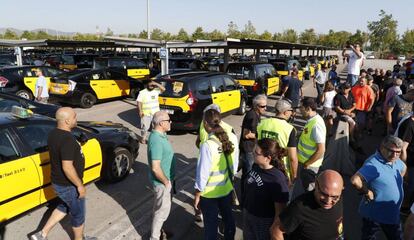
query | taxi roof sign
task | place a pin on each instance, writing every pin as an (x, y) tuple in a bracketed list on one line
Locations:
[(20, 112)]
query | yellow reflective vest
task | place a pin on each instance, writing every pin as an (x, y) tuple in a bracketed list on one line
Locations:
[(306, 145), (149, 100), (279, 130), (219, 183)]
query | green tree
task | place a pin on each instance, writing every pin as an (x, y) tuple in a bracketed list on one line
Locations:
[(133, 35), (383, 33), (198, 34), (249, 31), (9, 34), (277, 37), (266, 35), (157, 34), (42, 35), (143, 34), (359, 37), (289, 35), (407, 40), (308, 36), (27, 35), (233, 30), (182, 35), (216, 35)]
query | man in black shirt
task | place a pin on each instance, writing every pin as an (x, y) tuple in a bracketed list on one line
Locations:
[(345, 105), (67, 165), (317, 214), (249, 133)]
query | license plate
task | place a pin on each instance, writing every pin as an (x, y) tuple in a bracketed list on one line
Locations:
[(169, 111)]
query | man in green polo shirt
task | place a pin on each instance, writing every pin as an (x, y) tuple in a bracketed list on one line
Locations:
[(161, 161)]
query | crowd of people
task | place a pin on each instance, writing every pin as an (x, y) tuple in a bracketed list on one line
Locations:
[(285, 193)]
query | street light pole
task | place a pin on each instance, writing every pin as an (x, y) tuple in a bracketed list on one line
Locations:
[(148, 20)]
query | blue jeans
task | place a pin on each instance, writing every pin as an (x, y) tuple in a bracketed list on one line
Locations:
[(352, 79), (211, 207), (371, 228), (319, 90), (71, 203)]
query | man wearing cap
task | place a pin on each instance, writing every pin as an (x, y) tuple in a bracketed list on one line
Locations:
[(148, 105), (344, 106), (311, 146), (284, 133)]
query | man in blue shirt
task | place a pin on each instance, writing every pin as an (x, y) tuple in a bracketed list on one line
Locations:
[(380, 180)]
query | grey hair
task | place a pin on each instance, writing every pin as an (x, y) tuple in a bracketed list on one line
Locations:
[(398, 81), (158, 117), (391, 140), (257, 99)]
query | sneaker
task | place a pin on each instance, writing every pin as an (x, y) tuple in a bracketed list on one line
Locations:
[(89, 238), (38, 236), (199, 217)]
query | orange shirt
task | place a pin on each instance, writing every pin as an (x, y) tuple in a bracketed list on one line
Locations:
[(364, 96)]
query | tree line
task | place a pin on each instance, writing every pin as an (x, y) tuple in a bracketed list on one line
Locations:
[(381, 36)]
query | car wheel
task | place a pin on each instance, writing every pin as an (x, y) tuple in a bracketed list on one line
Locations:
[(242, 108), (24, 94), (87, 100), (119, 165)]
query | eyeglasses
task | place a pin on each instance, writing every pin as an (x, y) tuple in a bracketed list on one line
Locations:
[(325, 195), (393, 151), (262, 106)]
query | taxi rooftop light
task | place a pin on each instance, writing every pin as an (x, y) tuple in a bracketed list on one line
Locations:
[(20, 112)]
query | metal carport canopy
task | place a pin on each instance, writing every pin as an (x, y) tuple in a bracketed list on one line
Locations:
[(56, 43)]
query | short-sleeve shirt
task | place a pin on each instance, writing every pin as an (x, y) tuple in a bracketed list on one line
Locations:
[(364, 96), (41, 82), (250, 122), (293, 92), (159, 148), (305, 219), (318, 134), (354, 64), (385, 180), (149, 96), (343, 102), (264, 188), (321, 77), (406, 133), (64, 147)]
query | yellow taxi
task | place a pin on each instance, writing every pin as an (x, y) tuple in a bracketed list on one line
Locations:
[(22, 80), (132, 67), (187, 94), (25, 182), (86, 87), (255, 77), (283, 65)]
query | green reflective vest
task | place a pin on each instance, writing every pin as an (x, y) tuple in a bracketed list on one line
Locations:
[(218, 183), (306, 145), (279, 130)]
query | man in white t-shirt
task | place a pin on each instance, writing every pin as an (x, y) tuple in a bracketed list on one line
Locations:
[(41, 92), (148, 105), (355, 62), (319, 81)]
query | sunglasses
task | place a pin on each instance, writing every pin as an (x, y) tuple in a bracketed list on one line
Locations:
[(262, 106)]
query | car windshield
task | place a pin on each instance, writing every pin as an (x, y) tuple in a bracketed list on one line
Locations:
[(240, 71), (173, 88), (7, 60), (68, 59)]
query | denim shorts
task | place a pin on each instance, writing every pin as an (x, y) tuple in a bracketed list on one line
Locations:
[(71, 204)]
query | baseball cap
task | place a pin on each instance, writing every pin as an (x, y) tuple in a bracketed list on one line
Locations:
[(283, 105), (212, 106)]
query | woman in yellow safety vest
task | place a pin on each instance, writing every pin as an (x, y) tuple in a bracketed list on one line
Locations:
[(214, 185)]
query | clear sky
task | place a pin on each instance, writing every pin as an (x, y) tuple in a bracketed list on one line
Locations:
[(129, 16)]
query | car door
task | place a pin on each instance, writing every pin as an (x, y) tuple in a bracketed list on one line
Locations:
[(218, 93), (19, 179), (120, 85), (233, 93), (29, 78), (101, 86)]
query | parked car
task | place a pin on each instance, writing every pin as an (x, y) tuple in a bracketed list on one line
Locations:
[(7, 101), (109, 150)]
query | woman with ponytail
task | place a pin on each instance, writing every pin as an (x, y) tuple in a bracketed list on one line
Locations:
[(266, 192), (215, 168)]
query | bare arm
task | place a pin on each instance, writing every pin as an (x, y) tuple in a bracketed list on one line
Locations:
[(159, 86), (247, 134), (39, 92), (359, 183), (70, 172), (320, 150), (388, 116), (275, 230), (293, 158), (357, 52), (139, 107), (159, 174)]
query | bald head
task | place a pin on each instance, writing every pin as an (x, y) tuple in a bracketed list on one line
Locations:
[(331, 179), (329, 186), (66, 118)]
